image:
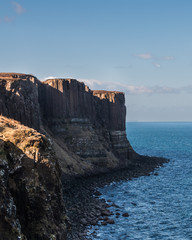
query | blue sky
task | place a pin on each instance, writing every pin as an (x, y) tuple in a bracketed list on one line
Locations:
[(141, 47)]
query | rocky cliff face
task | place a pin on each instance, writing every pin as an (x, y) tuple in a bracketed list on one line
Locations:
[(82, 123), (89, 124), (19, 98), (65, 99), (87, 134), (111, 111), (31, 195)]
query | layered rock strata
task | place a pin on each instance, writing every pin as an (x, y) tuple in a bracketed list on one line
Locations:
[(87, 127), (19, 98), (78, 132)]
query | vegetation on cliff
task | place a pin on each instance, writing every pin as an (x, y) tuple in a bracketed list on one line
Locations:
[(52, 131), (31, 196)]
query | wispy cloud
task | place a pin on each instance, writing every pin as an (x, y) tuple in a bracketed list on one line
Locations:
[(157, 65), (144, 55), (7, 19), (149, 56), (94, 84), (18, 8), (169, 58), (50, 77), (134, 90)]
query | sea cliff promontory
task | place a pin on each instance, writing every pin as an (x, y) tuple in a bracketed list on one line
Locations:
[(53, 132), (87, 128)]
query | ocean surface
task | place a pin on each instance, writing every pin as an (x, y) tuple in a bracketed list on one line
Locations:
[(159, 207)]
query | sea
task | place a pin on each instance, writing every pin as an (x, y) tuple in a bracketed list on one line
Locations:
[(159, 205)]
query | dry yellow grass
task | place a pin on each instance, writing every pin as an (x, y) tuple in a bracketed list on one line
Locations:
[(26, 139)]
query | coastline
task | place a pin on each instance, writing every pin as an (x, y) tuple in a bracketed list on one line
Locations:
[(83, 204), (76, 133)]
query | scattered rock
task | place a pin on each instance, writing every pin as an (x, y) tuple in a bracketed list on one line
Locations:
[(125, 214), (134, 204), (110, 221), (104, 223), (106, 213), (83, 221), (97, 193), (115, 205)]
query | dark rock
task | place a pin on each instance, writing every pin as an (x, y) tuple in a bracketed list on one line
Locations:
[(83, 221), (110, 221), (125, 214), (85, 136), (105, 213), (104, 223), (115, 205), (19, 98), (134, 204), (97, 193), (31, 192)]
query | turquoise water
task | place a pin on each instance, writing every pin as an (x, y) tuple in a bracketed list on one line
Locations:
[(159, 207)]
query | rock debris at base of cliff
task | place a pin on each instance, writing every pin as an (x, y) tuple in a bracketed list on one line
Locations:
[(50, 131)]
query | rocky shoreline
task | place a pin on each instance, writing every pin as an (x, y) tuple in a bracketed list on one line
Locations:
[(61, 128), (83, 202)]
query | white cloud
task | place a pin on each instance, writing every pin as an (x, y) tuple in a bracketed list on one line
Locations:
[(144, 55), (134, 90), (51, 77), (94, 84), (157, 65), (18, 8), (169, 58)]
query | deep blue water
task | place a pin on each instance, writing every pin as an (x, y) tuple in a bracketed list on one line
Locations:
[(159, 207)]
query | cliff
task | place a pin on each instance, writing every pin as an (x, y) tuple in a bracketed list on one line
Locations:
[(87, 127), (63, 130), (19, 98), (31, 194)]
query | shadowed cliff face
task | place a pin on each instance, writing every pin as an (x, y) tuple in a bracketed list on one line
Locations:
[(111, 111), (91, 124), (19, 98), (82, 123), (66, 99), (59, 99), (31, 195), (86, 130)]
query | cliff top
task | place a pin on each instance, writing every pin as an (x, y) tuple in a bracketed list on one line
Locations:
[(20, 135), (105, 92), (61, 79), (15, 76)]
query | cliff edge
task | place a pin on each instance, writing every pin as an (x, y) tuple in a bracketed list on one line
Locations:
[(53, 130), (87, 127), (31, 193)]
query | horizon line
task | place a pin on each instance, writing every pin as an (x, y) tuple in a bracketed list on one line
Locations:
[(173, 121)]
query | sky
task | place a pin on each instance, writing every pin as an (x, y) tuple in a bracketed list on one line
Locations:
[(140, 47)]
